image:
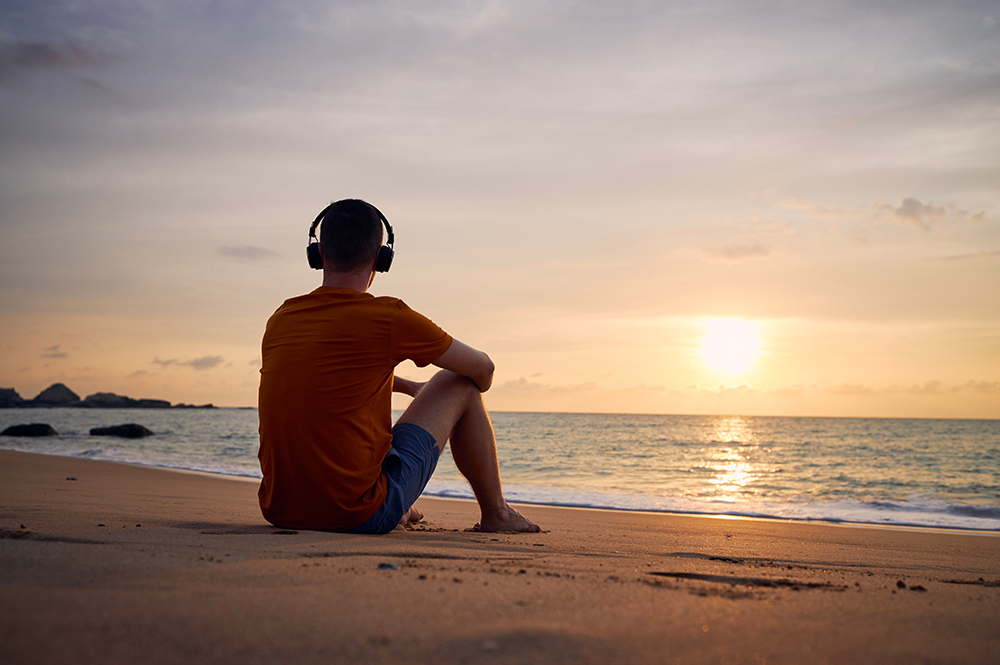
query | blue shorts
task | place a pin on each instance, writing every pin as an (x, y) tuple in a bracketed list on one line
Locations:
[(408, 466)]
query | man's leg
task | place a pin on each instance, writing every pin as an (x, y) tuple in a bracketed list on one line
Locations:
[(451, 407)]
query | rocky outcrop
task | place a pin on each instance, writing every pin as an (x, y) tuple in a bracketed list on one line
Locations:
[(59, 395), (9, 398), (34, 429), (55, 395), (151, 404), (105, 401), (113, 401), (129, 431)]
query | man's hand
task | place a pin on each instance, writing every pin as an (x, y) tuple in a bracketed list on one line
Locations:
[(407, 387)]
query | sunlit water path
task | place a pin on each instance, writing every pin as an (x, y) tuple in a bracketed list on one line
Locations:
[(940, 473)]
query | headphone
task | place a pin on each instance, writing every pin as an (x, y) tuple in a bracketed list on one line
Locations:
[(385, 252)]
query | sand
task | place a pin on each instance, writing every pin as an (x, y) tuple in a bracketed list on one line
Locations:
[(111, 563)]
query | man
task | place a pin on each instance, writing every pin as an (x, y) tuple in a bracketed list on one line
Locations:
[(330, 458)]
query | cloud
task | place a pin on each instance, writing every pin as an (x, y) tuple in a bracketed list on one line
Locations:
[(95, 86), (206, 362), (924, 216), (726, 390), (818, 211), (966, 257), (983, 387), (939, 388), (913, 212), (928, 388), (54, 352), (910, 212), (522, 385), (850, 389), (19, 57), (246, 252)]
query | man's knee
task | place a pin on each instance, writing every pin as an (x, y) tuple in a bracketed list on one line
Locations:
[(459, 391), (451, 382), (441, 403)]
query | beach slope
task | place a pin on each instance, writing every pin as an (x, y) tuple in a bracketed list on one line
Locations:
[(110, 563)]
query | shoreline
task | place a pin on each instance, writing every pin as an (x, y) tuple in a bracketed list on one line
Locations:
[(832, 521), (131, 563)]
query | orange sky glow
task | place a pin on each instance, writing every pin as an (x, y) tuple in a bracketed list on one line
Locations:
[(634, 208)]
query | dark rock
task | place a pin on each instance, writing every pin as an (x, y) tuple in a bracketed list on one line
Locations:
[(9, 398), (106, 401), (129, 430), (59, 395), (56, 395), (113, 401), (194, 406), (151, 404), (34, 429)]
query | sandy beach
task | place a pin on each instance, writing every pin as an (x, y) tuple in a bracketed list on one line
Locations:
[(110, 563)]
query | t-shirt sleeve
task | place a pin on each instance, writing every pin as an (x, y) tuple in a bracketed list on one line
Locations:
[(416, 338)]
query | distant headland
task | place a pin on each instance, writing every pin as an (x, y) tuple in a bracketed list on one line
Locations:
[(59, 395)]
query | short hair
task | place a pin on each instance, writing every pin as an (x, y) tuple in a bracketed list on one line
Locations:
[(350, 235)]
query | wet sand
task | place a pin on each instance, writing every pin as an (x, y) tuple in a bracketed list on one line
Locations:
[(111, 563)]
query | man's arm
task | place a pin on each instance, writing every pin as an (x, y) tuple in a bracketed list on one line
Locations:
[(463, 359), (406, 386)]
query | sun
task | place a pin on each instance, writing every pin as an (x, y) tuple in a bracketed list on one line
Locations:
[(730, 346)]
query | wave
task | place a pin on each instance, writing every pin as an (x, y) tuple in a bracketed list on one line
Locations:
[(916, 512), (793, 470)]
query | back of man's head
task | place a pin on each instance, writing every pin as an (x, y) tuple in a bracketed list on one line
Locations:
[(350, 235)]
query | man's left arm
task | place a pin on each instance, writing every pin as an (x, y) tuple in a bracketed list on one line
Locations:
[(405, 386)]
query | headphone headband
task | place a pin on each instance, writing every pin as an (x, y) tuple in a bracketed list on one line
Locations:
[(385, 252)]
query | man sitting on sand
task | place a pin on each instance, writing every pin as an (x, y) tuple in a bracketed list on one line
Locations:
[(331, 459)]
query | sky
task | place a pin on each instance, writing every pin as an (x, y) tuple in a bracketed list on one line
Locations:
[(721, 207)]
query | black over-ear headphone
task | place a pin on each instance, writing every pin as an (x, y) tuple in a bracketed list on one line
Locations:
[(385, 252)]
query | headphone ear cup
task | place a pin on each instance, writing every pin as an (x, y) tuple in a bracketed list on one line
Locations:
[(315, 259), (385, 254)]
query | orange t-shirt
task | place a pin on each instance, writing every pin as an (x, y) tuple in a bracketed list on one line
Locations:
[(325, 403)]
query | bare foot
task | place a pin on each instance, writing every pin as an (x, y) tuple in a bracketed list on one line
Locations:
[(411, 516), (509, 522)]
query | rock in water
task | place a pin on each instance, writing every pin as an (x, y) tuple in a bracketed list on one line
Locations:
[(113, 401), (145, 403), (129, 430), (106, 401), (56, 395), (34, 429), (9, 398)]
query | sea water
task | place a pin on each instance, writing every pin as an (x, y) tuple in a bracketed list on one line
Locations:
[(915, 472)]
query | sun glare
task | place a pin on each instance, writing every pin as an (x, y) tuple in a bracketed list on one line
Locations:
[(730, 346)]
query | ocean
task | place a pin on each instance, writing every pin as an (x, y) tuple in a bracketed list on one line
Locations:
[(889, 471)]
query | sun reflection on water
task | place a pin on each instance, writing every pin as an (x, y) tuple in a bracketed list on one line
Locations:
[(733, 472), (734, 430)]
